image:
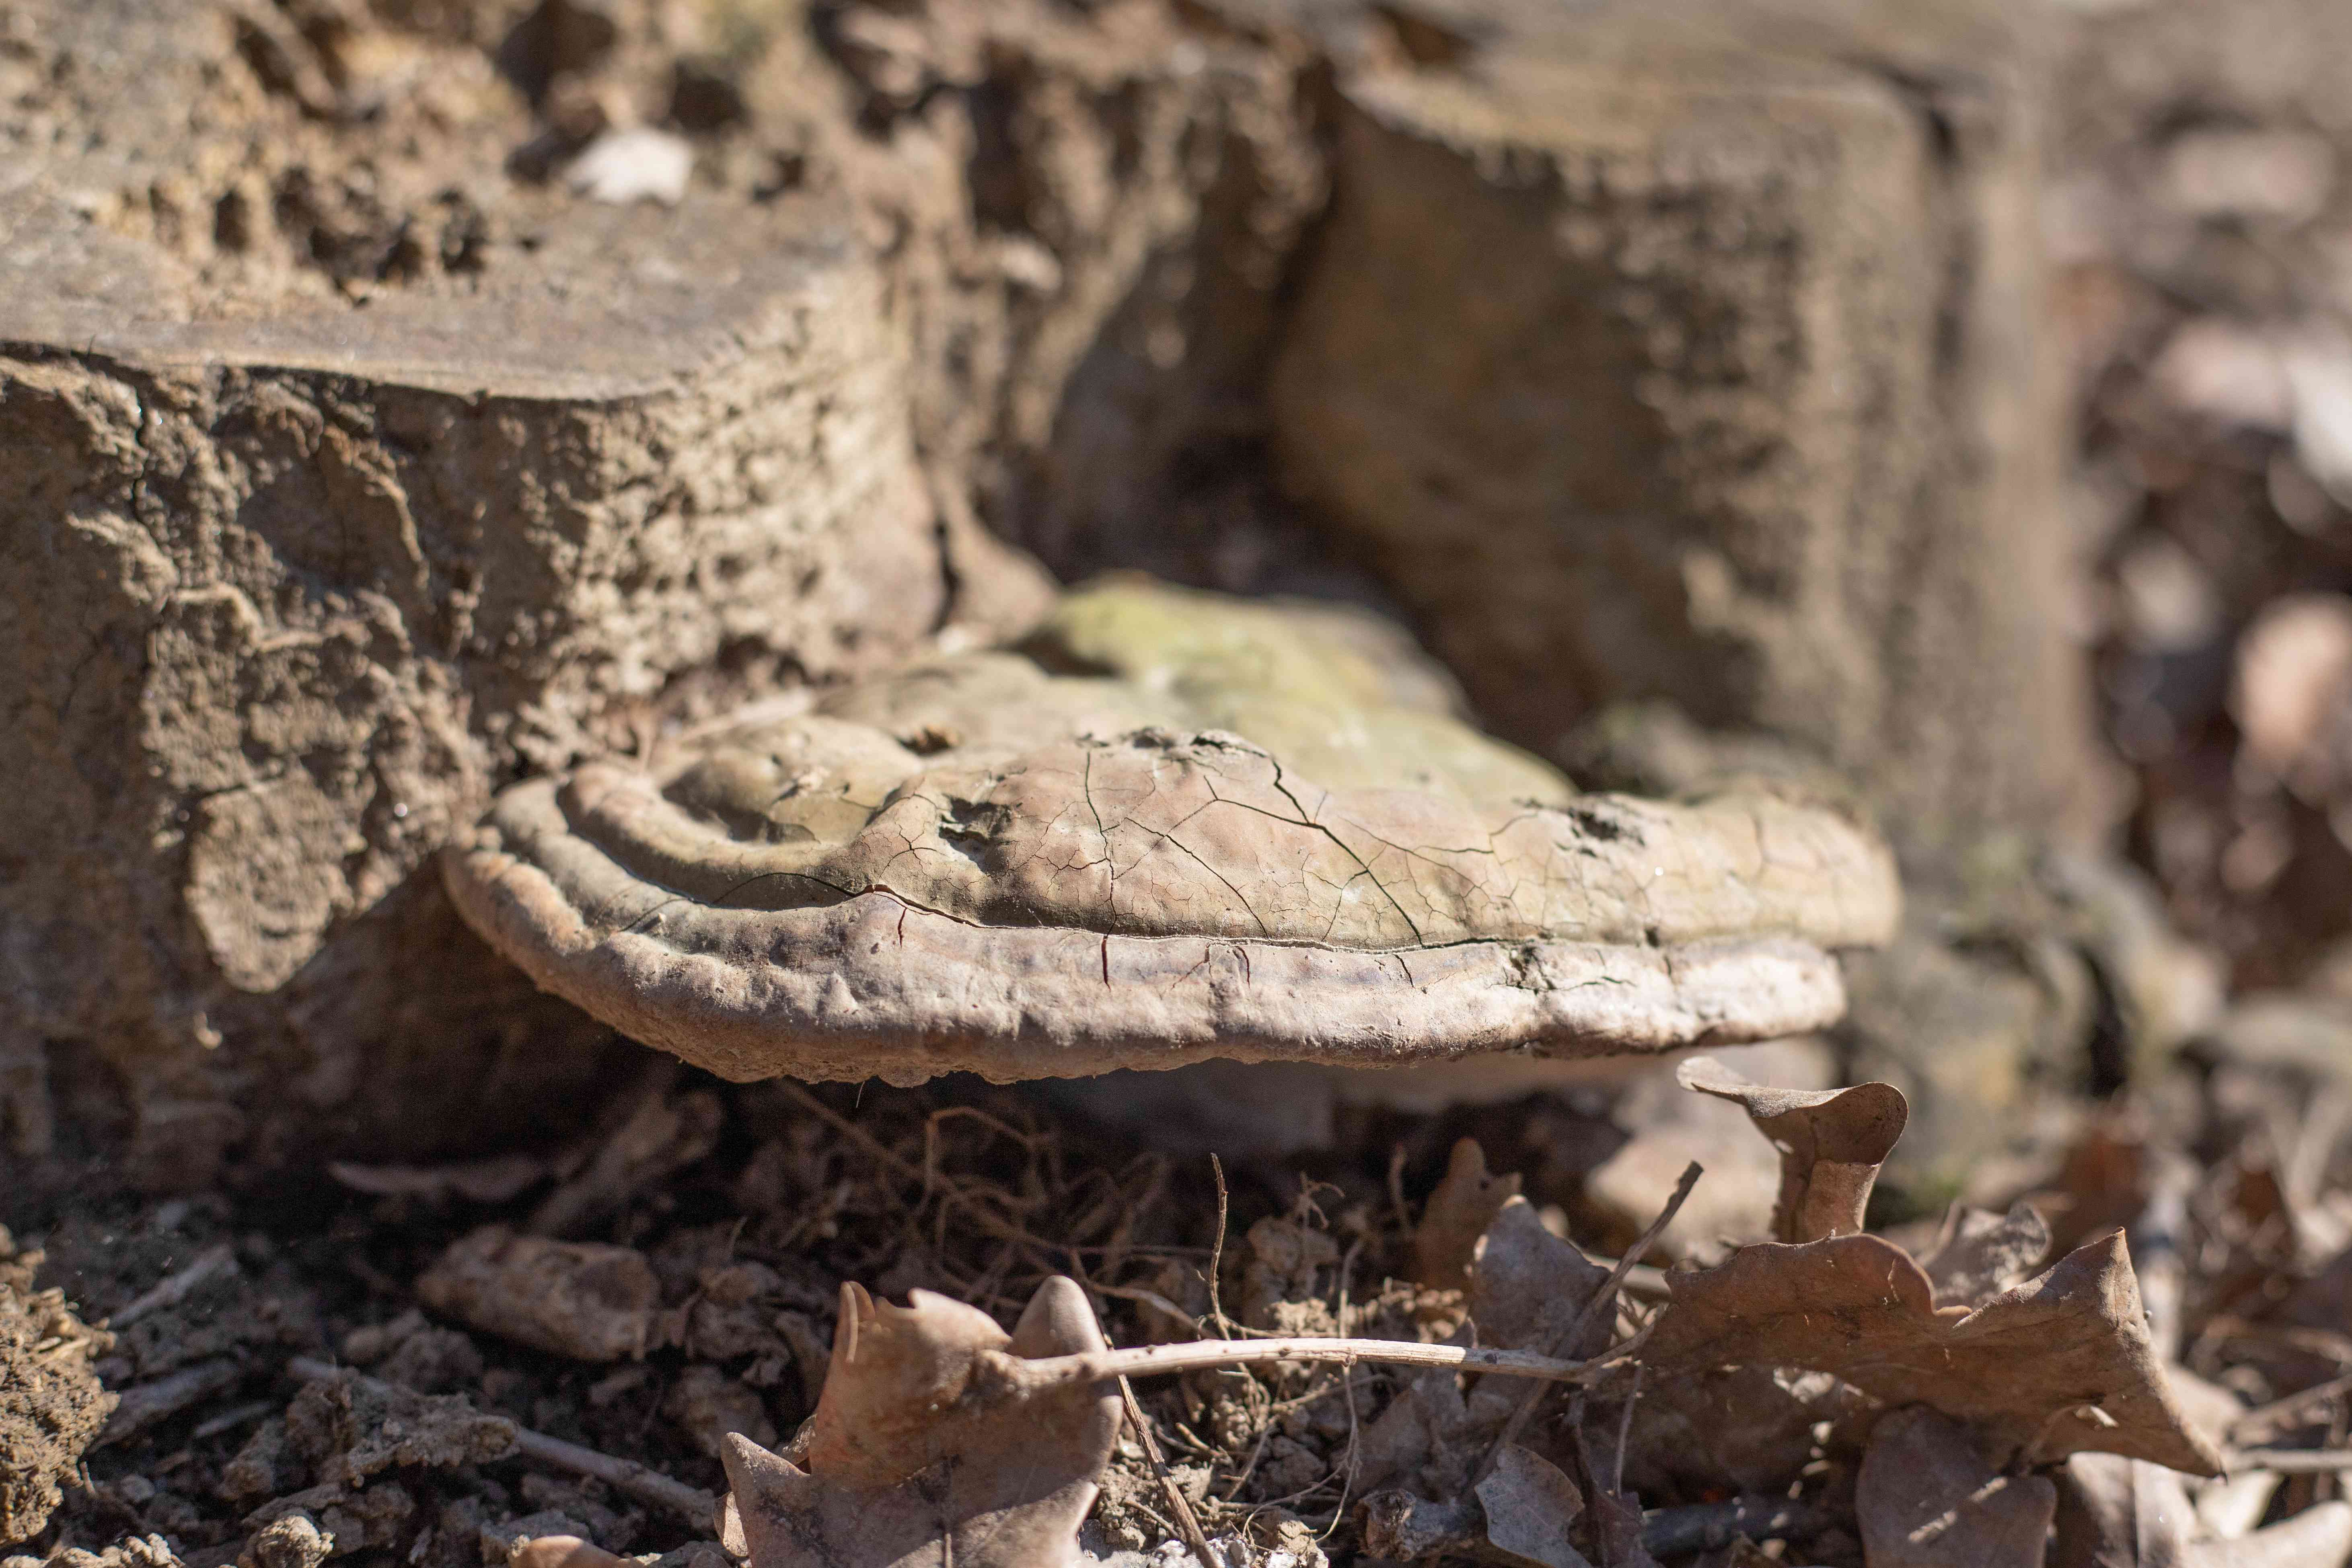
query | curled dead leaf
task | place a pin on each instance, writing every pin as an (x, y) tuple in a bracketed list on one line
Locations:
[(1831, 1143), (2114, 1512), (2318, 1537), (1445, 1242), (1530, 1505), (1927, 1498), (1980, 1254), (1521, 1518), (1524, 1286), (2058, 1364), (920, 1454)]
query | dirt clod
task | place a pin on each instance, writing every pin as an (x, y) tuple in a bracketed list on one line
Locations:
[(583, 1300), (51, 1404)]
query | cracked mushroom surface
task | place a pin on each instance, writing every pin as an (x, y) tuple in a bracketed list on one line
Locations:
[(1172, 826)]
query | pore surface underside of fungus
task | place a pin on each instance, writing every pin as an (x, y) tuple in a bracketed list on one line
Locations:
[(1171, 825)]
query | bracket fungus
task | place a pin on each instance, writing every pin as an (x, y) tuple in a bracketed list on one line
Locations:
[(1171, 825)]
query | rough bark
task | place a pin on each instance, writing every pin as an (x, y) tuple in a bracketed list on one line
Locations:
[(353, 467), (1688, 352)]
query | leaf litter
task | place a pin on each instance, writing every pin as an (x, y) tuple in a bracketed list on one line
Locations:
[(786, 1328)]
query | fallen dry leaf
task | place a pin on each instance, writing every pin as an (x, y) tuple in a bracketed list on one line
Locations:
[(1522, 1517), (1530, 1505), (2057, 1366), (2127, 1513), (1831, 1143), (2318, 1537), (1524, 1286), (1927, 1498), (1616, 1516), (2294, 675), (1529, 1288), (1524, 1289), (1741, 1553), (917, 1455), (1730, 1429), (1981, 1254), (1432, 1435), (1617, 1531), (1403, 1527), (1667, 1128), (1456, 1216), (2114, 1512)]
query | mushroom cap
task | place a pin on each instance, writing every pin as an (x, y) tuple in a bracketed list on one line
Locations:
[(1174, 825)]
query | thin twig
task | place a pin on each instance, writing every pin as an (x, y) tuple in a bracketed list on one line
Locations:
[(228, 1420), (2155, 1242), (1188, 1524), (146, 1404), (1640, 1278), (1347, 1386), (1002, 1230), (1396, 1187), (1249, 1466), (1604, 1300), (2262, 1417), (1217, 1253), (1151, 1299), (1031, 1376), (1625, 1432), (640, 1481), (2293, 1461), (1710, 1526), (213, 1263), (1581, 1442)]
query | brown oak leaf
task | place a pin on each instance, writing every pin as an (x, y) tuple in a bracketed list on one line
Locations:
[(1980, 1254), (1524, 1286), (1831, 1143), (2114, 1512), (1927, 1497), (1445, 1242), (2058, 1364), (921, 1454)]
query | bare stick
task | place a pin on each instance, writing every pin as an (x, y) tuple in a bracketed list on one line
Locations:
[(145, 1405), (212, 1263), (2155, 1239), (1642, 1279), (1396, 1186), (2263, 1418), (1033, 1376), (1217, 1253), (1188, 1524), (1604, 1300), (2293, 1461), (1346, 1387), (1625, 1433), (1708, 1526), (639, 1481)]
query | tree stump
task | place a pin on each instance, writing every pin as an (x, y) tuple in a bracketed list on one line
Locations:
[(1692, 352)]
